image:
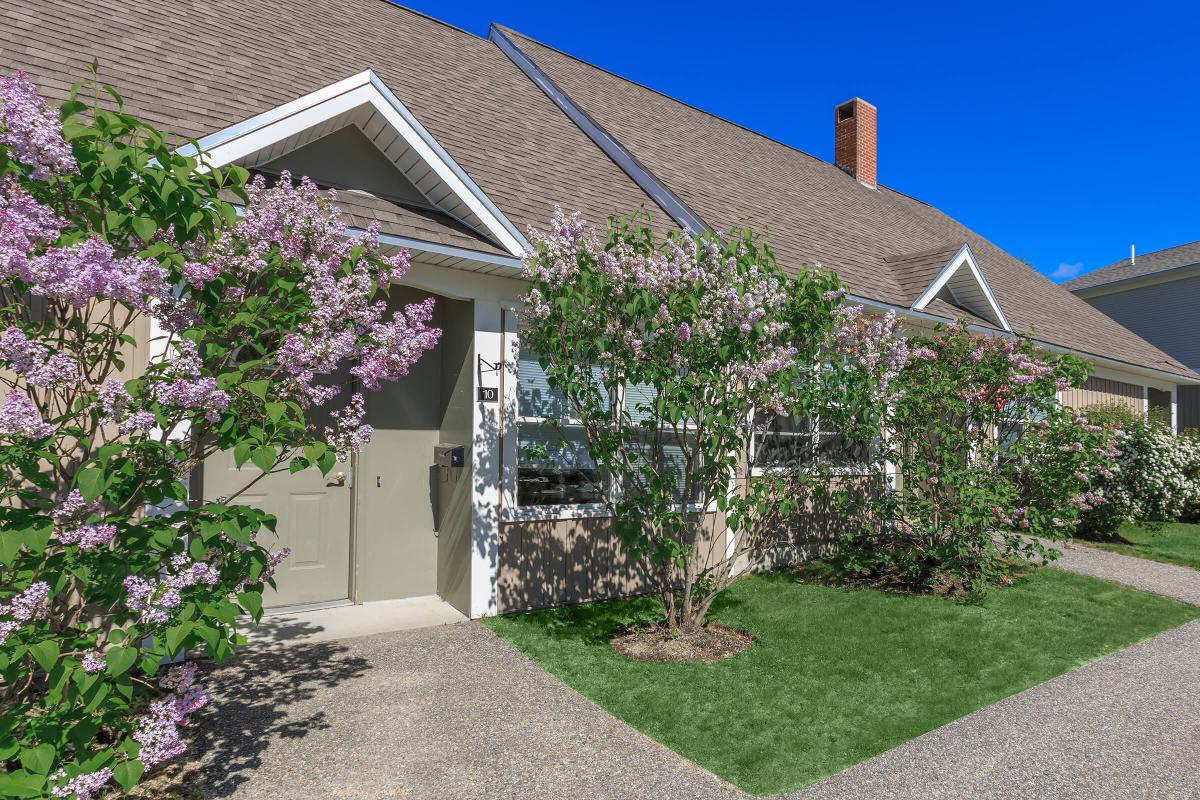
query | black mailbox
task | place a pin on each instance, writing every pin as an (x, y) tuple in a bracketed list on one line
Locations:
[(449, 455)]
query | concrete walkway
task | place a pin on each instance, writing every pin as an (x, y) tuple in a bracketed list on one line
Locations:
[(453, 712), (1125, 726), (446, 713), (1168, 580)]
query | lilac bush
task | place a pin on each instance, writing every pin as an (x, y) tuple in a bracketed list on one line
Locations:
[(668, 353), (108, 569), (985, 459)]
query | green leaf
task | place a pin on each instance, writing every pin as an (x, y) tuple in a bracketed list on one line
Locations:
[(257, 388), (264, 458), (21, 783), (275, 411), (252, 602), (90, 481), (120, 659), (145, 227), (38, 759), (128, 773), (45, 654), (241, 453), (10, 546), (38, 537), (176, 634)]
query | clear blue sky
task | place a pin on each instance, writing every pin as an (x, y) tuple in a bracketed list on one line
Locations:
[(1062, 132)]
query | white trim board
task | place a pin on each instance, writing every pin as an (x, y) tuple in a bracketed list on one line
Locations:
[(365, 91), (958, 283)]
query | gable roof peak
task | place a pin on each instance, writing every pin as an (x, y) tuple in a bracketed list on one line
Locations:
[(364, 101)]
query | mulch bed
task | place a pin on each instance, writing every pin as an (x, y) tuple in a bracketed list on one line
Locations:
[(654, 642)]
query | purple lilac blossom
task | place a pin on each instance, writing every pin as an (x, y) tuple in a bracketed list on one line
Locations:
[(89, 537), (19, 418), (33, 361), (31, 131), (85, 786), (90, 269), (349, 433), (93, 661), (158, 731), (26, 606), (25, 225)]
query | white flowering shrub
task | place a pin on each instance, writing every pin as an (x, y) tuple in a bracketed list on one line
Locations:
[(1158, 475)]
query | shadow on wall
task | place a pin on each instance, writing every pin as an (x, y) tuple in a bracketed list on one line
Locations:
[(253, 699), (545, 562)]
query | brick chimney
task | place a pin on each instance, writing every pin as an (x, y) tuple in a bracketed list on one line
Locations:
[(854, 139)]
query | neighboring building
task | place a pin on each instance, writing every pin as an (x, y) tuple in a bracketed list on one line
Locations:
[(1157, 296), (457, 144)]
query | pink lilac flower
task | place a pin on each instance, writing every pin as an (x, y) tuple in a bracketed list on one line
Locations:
[(273, 561), (19, 418), (186, 389), (26, 606), (84, 787), (684, 333), (113, 400), (25, 225), (140, 598), (93, 661), (89, 537), (158, 731), (72, 508), (349, 433), (395, 346), (33, 361), (89, 270), (31, 131), (153, 599), (198, 273)]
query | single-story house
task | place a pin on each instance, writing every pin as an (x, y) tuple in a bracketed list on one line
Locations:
[(1155, 295), (457, 144)]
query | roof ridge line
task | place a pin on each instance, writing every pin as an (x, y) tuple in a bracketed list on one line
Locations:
[(441, 22), (673, 99), (654, 187)]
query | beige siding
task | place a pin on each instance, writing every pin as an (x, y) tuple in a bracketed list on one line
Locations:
[(547, 563), (1103, 391)]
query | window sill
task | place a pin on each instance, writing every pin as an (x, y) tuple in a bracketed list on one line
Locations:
[(556, 512), (759, 472)]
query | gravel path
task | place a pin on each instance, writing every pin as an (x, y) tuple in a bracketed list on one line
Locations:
[(450, 713), (1168, 580)]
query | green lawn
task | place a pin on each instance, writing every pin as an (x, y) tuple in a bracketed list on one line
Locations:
[(1175, 543), (836, 675)]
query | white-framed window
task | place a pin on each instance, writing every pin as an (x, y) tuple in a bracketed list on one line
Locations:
[(1012, 425), (548, 472), (554, 467), (783, 442)]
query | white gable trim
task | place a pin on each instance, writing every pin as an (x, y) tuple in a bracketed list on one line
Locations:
[(278, 124), (963, 258)]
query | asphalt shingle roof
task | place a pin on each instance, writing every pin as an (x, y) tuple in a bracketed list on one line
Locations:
[(1184, 255), (197, 66), (211, 63), (816, 213)]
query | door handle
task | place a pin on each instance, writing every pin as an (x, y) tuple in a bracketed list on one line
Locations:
[(338, 480)]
